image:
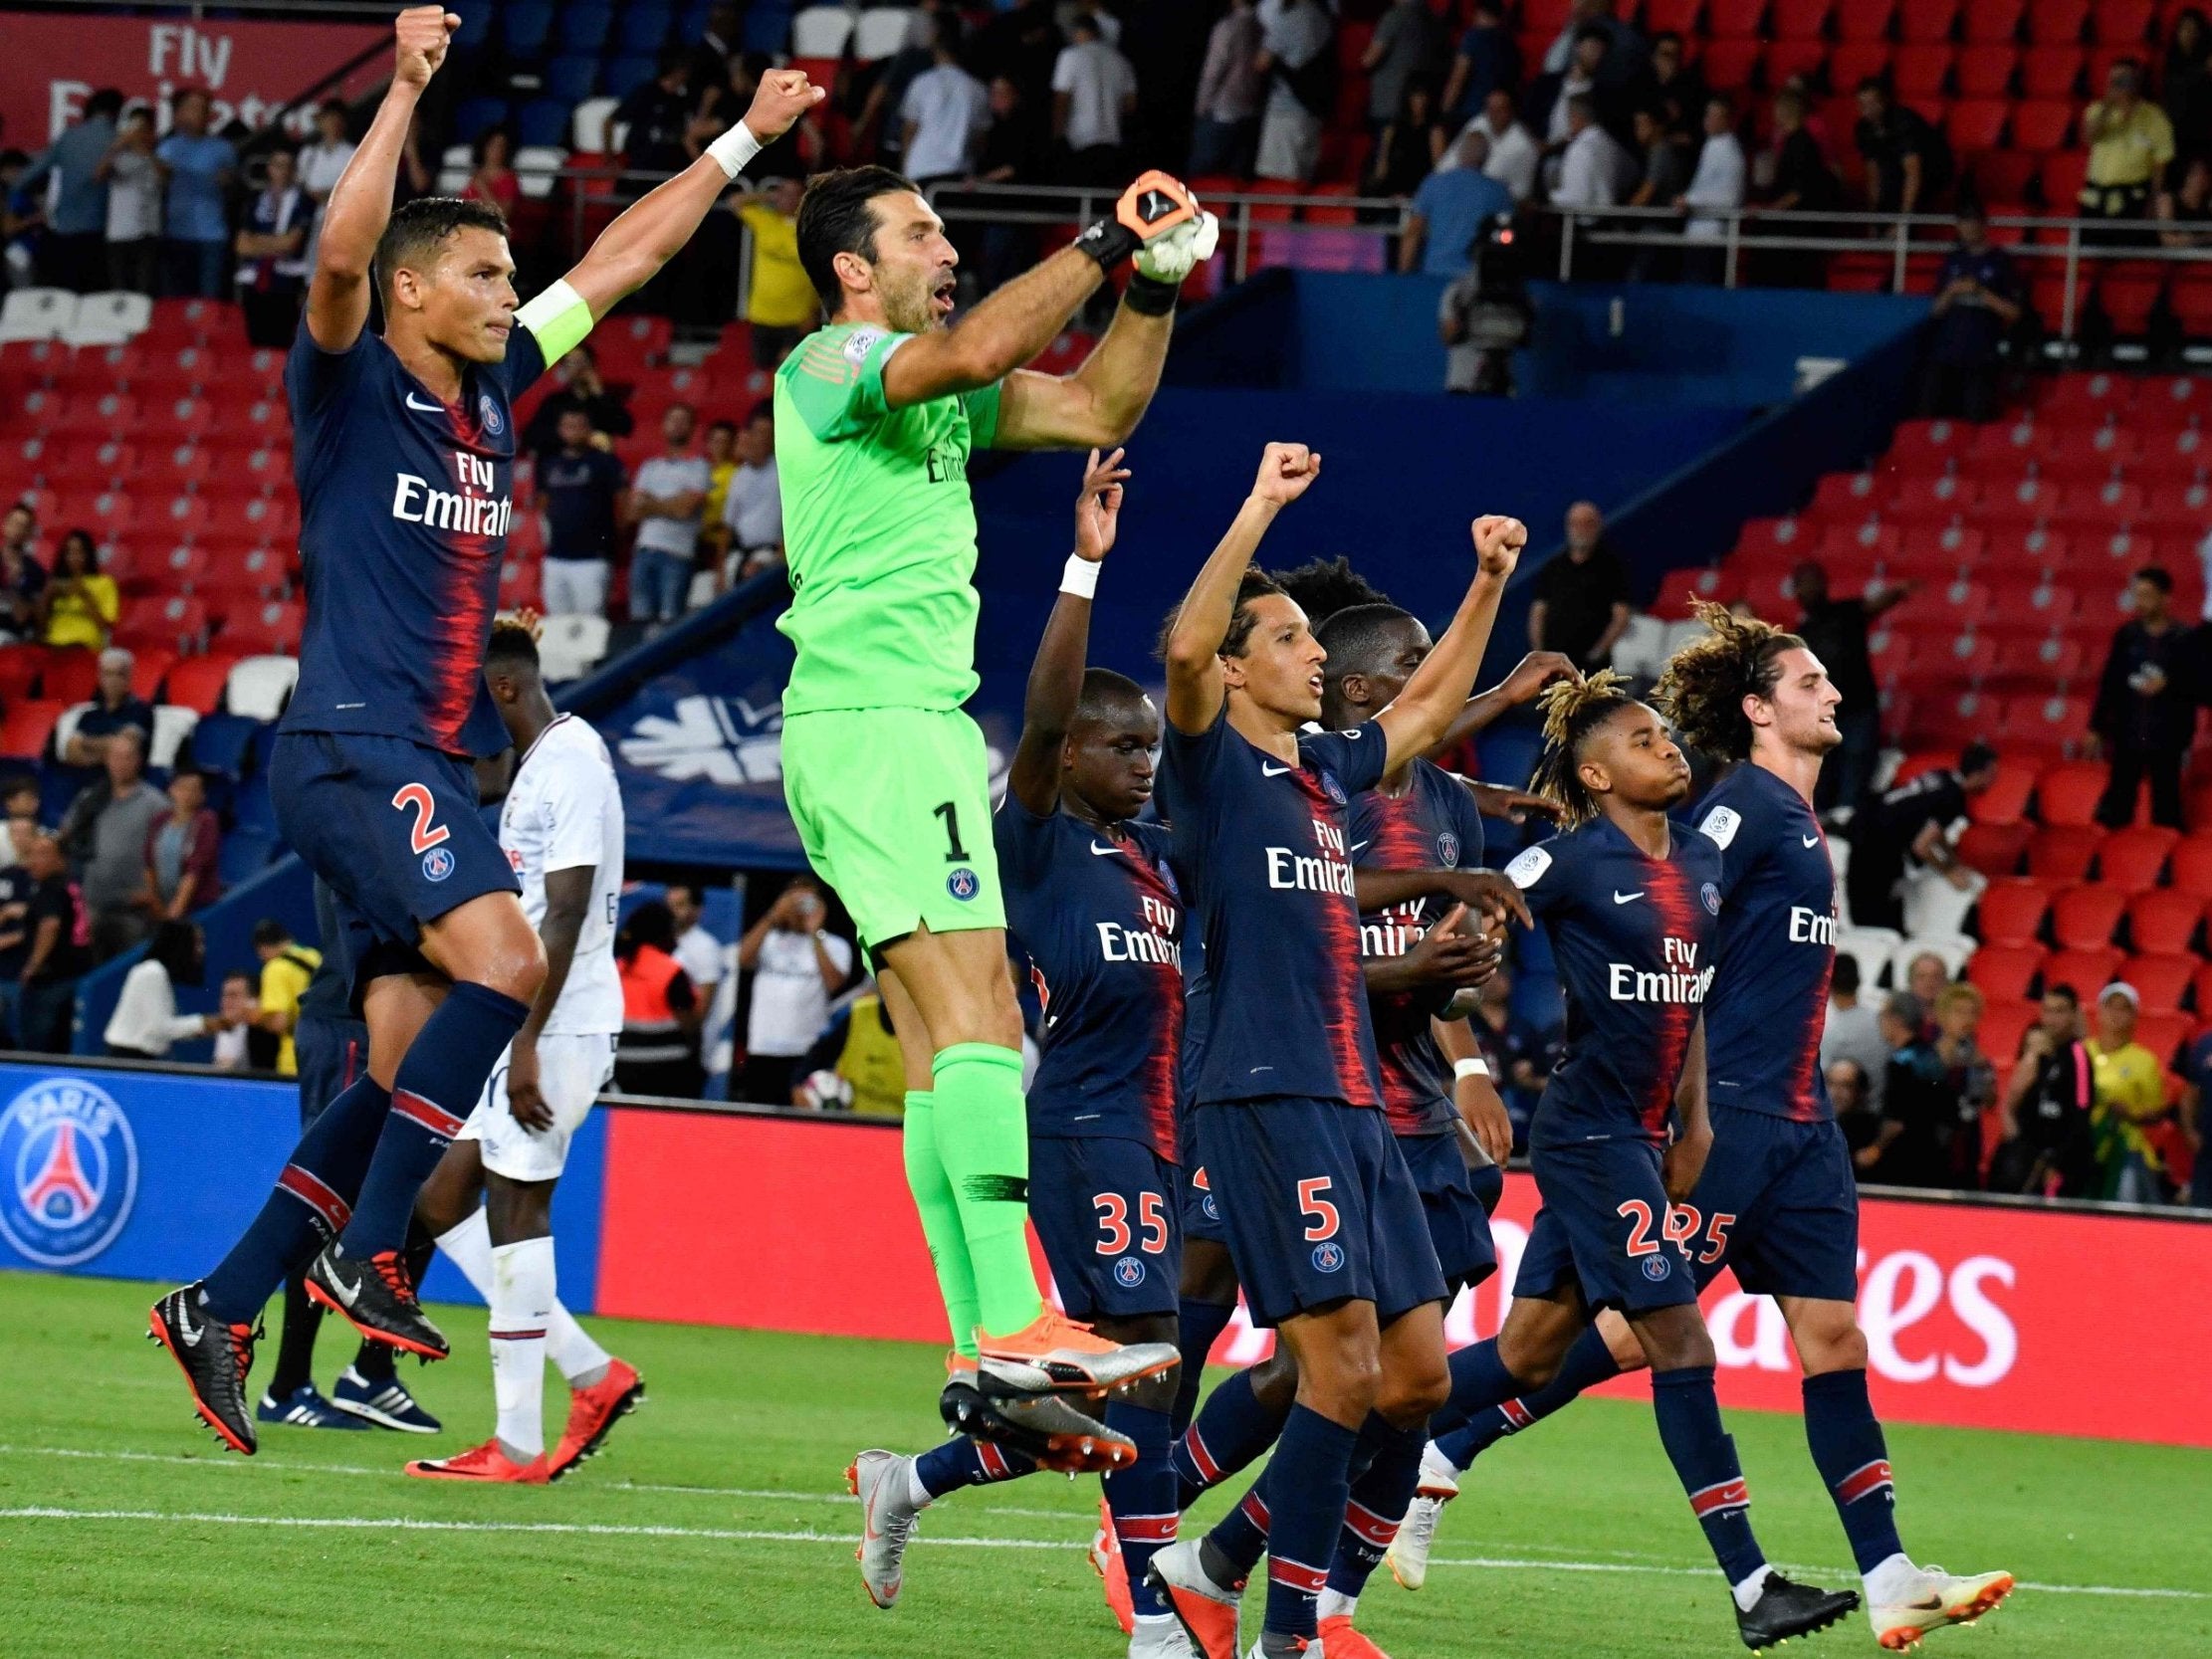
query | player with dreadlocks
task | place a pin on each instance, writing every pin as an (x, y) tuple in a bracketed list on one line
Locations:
[(1621, 1134), (1777, 1201)]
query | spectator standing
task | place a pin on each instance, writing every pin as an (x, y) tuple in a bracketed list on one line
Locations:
[(22, 576), (2185, 82), (1488, 60), (1581, 600), (1978, 299), (2130, 143), (236, 1003), (323, 161), (667, 495), (1852, 1033), (1449, 210), (2130, 1101), (1594, 169), (860, 1047), (1910, 822), (943, 114), (272, 251), (1226, 136), (1515, 160), (80, 604), (1669, 85), (1666, 174), (722, 464), (71, 253), (753, 509), (58, 952), (22, 798), (656, 118), (195, 227), (697, 950), (1933, 1094), (1625, 50), (145, 1024), (1794, 176), (114, 708), (1550, 97), (183, 850), (1848, 1092), (1093, 91), (1408, 43), (606, 415), (2145, 715), (1410, 146), (114, 870), (1835, 631), (1717, 191), (492, 178), (2049, 1146), (286, 969), (1909, 166), (2187, 207), (1016, 149), (16, 885), (798, 965), (580, 487), (2196, 1107), (1297, 58), (779, 301), (133, 205), (662, 1011)]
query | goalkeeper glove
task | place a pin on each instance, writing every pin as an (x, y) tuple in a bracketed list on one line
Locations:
[(1149, 210)]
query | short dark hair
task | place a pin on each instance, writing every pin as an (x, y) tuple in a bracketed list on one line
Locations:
[(239, 976), (511, 649), (671, 57), (834, 217), (1357, 635), (270, 932), (419, 228), (2158, 576), (176, 947), (328, 104), (106, 101), (1976, 756), (1107, 696), (1255, 584), (2065, 992), (728, 426), (649, 924), (761, 411), (21, 783), (1874, 83), (1844, 977), (697, 890), (1323, 586), (1594, 31)]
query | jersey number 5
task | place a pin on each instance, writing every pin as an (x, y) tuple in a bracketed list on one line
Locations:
[(417, 798), (1113, 1223), (1322, 1219)]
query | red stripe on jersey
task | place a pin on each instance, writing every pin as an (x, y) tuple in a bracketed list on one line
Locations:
[(1368, 1526), (1342, 980), (1672, 899), (1163, 1065), (1296, 1575), (309, 1188), (1145, 1529), (429, 1113), (1872, 1477), (1722, 1495), (1201, 1459)]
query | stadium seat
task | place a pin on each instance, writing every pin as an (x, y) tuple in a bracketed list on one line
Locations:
[(184, 569), (1866, 20), (2012, 911), (588, 131), (258, 687), (2164, 922), (2162, 980), (2086, 970), (1974, 124), (2123, 23), (822, 32), (1775, 537), (173, 729), (197, 681), (1730, 65), (2052, 726), (2202, 989), (2086, 916), (2050, 73), (573, 646), (584, 28), (1924, 71), (1847, 496), (27, 727), (244, 854), (2063, 853), (224, 744), (880, 32), (2134, 858), (71, 672), (2068, 793), (2060, 178), (2056, 22), (148, 669), (2004, 1028), (2006, 800), (572, 80), (1929, 20), (1871, 948), (1986, 71), (176, 622), (2128, 291), (2005, 972), (1787, 59), (35, 314), (268, 629), (108, 319), (1641, 651), (1993, 849)]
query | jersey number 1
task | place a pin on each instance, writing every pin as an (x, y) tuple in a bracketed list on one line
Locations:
[(951, 814), (417, 798)]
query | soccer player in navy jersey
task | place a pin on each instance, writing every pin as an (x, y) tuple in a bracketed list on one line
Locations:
[(1633, 906), (1092, 901), (1776, 1202), (403, 450), (1323, 1221)]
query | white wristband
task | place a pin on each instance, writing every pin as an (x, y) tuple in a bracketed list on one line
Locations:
[(1471, 1067), (733, 149), (1079, 576)]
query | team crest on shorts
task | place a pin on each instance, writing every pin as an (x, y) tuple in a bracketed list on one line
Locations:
[(487, 412), (1328, 1256), (437, 864), (964, 884), (1447, 850), (1711, 894), (1128, 1273), (69, 1171), (1656, 1267)]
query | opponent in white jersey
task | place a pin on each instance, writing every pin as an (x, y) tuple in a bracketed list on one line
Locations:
[(562, 831)]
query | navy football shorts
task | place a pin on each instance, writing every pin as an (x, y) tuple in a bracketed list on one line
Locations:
[(1202, 1211), (1105, 1211), (1778, 1204), (395, 832), (1604, 1228), (1459, 1220), (1319, 1208), (332, 1054)]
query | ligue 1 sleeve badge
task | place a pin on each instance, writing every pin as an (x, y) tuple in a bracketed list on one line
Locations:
[(69, 1171)]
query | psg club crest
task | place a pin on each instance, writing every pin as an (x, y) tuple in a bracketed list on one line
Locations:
[(962, 884), (437, 864), (488, 413), (1333, 789), (1656, 1267), (1447, 850), (1128, 1273), (69, 1171), (1328, 1256), (1711, 894)]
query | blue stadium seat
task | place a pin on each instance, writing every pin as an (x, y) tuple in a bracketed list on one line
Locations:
[(244, 854), (477, 117), (224, 744), (572, 78), (252, 809), (643, 30), (545, 121), (584, 28), (691, 22), (523, 26), (767, 26), (476, 27), (625, 75)]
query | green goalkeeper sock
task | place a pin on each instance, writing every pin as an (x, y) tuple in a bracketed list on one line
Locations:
[(982, 1137), (940, 1213)]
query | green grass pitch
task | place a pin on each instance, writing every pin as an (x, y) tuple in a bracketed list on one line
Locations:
[(715, 1523)]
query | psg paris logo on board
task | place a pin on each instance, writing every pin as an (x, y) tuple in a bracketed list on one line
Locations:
[(69, 1171)]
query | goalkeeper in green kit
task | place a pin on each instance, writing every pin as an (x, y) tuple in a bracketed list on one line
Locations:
[(887, 777)]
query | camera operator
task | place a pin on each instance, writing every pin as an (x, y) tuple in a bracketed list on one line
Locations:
[(1484, 315)]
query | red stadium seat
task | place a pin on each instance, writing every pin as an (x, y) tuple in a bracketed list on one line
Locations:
[(2163, 1034), (1993, 849), (256, 521), (1975, 124), (2128, 291), (2086, 916), (1679, 587), (2046, 725), (28, 726), (2005, 972), (1866, 20), (1800, 20), (2056, 22), (2125, 23), (2068, 793), (2164, 922), (2161, 981), (1845, 497), (184, 570), (2002, 178), (2087, 970), (269, 630), (2132, 858), (2061, 177), (1854, 552), (71, 672), (2012, 911), (1922, 70), (2169, 403), (2050, 73), (2179, 457), (196, 683), (174, 622), (2052, 660), (2004, 1026), (2063, 853), (1672, 17), (1988, 60), (1929, 20), (2006, 800), (1933, 500), (1774, 538), (1729, 66), (1738, 17), (1787, 58), (100, 414), (2026, 500), (181, 517), (2190, 296), (2031, 604), (2203, 988), (148, 669)]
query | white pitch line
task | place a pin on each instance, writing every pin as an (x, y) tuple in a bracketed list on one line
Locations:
[(357, 1523)]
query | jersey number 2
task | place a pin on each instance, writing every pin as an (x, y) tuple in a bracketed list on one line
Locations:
[(417, 798)]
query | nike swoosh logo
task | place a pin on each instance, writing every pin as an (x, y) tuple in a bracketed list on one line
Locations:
[(1266, 770), (1103, 852), (1359, 846), (347, 1294), (1811, 840), (1623, 897), (414, 402), (1933, 1604), (186, 1329)]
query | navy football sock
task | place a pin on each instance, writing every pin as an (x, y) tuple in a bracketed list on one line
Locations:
[(1308, 1487), (962, 1462), (313, 1200), (1479, 1380), (1853, 1461), (1201, 1326), (1381, 1495), (440, 1077), (1704, 1460), (1141, 1499), (1588, 1362), (1229, 1434), (1239, 1538)]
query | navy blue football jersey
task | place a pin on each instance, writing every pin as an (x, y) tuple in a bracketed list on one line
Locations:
[(1434, 825), (1774, 950), (1102, 923), (1262, 850), (404, 505), (1633, 940)]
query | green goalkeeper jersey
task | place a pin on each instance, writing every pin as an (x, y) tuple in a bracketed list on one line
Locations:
[(878, 528)]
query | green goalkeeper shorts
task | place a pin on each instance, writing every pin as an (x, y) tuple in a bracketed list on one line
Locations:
[(893, 807)]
